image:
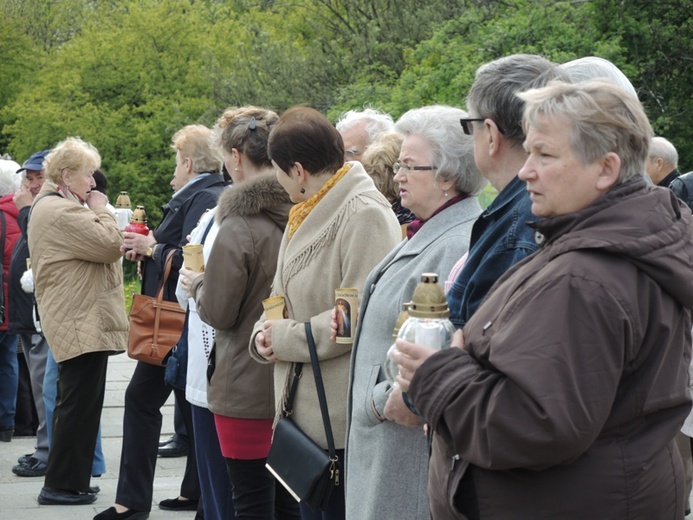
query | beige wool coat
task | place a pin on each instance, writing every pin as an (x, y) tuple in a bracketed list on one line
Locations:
[(75, 253), (347, 234)]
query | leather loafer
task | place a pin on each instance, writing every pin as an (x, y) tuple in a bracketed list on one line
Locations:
[(176, 504), (130, 514), (62, 497), (173, 449)]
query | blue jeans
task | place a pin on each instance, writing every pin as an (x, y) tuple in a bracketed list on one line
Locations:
[(50, 394), (9, 379)]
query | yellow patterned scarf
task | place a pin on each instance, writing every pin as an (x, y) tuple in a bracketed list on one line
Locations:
[(301, 210)]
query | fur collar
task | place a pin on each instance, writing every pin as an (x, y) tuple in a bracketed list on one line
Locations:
[(261, 194)]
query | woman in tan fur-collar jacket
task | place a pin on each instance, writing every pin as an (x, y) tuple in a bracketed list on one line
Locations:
[(339, 230)]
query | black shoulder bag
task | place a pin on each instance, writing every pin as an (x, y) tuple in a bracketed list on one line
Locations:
[(306, 470)]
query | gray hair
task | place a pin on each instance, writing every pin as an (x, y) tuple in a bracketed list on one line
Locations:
[(195, 143), (9, 180), (604, 119), (452, 151), (376, 121), (593, 67), (493, 96), (662, 148)]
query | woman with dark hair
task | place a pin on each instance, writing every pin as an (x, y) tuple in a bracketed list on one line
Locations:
[(339, 229), (251, 219)]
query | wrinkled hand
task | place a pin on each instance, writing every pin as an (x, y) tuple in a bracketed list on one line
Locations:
[(96, 200), (23, 197), (409, 357), (187, 277), (136, 243), (266, 351), (398, 412)]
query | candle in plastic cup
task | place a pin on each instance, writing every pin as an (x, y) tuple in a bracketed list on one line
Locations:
[(275, 308), (347, 304), (193, 258)]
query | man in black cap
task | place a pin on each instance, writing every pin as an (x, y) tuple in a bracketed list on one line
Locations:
[(21, 311)]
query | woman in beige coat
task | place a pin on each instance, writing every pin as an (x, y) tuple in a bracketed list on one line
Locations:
[(340, 228), (75, 251)]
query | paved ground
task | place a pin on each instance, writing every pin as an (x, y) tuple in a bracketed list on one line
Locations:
[(18, 494)]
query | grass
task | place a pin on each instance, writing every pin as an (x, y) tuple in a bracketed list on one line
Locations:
[(132, 286)]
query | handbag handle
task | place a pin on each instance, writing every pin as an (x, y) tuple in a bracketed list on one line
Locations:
[(298, 371), (164, 279)]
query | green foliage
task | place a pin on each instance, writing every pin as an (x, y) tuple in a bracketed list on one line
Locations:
[(126, 75)]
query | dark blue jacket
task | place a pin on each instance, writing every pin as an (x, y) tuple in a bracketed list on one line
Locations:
[(682, 186), (500, 239), (181, 215)]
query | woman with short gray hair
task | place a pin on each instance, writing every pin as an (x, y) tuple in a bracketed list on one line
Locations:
[(571, 379), (387, 464)]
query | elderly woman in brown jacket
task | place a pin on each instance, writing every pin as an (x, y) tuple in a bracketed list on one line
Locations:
[(75, 251), (572, 379)]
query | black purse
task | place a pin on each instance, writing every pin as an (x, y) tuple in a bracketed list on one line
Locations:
[(306, 470)]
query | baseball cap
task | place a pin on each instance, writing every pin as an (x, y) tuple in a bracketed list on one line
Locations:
[(35, 162)]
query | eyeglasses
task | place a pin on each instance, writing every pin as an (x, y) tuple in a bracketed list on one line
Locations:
[(352, 154), (408, 169), (468, 127)]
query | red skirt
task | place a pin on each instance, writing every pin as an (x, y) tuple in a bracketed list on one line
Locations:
[(244, 439)]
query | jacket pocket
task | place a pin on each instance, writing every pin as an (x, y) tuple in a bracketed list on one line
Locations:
[(111, 311)]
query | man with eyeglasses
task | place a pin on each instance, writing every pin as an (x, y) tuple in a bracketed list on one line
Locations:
[(500, 236), (360, 128)]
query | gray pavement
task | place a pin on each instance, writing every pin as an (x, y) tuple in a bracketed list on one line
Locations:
[(18, 494)]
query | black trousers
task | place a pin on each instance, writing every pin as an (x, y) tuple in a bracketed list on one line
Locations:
[(81, 387), (144, 397), (256, 493)]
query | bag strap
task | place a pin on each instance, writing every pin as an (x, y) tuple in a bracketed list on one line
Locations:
[(321, 390), (298, 371), (164, 279)]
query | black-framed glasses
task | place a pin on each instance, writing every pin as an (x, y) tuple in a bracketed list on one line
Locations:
[(467, 125), (408, 169)]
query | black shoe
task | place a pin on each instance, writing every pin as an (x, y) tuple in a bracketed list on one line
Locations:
[(33, 468), (94, 490), (164, 443), (24, 459), (130, 514), (173, 449), (6, 433), (176, 504), (60, 497)]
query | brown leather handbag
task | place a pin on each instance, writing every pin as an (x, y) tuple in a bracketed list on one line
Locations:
[(155, 324)]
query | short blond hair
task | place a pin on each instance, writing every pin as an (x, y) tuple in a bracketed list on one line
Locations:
[(194, 142), (378, 160), (73, 153), (604, 119)]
